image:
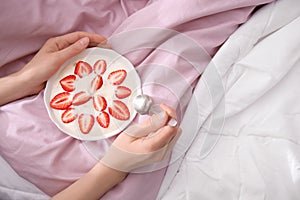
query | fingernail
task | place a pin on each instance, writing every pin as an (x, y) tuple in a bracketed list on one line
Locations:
[(84, 41), (172, 122)]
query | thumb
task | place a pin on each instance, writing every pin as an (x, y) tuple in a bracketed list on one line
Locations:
[(73, 49)]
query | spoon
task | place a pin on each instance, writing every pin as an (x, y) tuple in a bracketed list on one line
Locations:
[(143, 105)]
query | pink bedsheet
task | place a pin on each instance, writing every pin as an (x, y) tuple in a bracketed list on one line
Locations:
[(32, 144)]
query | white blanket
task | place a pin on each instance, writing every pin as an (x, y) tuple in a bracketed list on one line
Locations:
[(248, 143)]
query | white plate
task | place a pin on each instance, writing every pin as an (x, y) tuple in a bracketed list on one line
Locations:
[(114, 62)]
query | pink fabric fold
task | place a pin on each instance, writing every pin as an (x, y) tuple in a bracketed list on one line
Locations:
[(52, 160)]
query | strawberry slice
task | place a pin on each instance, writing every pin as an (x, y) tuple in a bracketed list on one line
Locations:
[(103, 119), (61, 101), (119, 110), (82, 69), (99, 102), (69, 115), (86, 123), (68, 83), (100, 67), (96, 84), (122, 92), (117, 77), (81, 98)]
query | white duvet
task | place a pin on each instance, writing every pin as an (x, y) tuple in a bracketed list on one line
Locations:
[(248, 146)]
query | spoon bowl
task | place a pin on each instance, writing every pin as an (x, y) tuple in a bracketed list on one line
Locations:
[(143, 105)]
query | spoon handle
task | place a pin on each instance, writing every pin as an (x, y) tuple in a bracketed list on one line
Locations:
[(155, 109)]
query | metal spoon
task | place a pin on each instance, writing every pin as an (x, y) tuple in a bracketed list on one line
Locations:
[(143, 105)]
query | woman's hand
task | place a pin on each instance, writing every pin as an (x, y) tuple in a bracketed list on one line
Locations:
[(139, 143), (53, 54), (143, 144), (32, 77)]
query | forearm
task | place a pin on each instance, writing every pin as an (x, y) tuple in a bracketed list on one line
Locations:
[(13, 87), (92, 185)]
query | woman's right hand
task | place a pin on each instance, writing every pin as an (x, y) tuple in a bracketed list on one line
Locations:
[(53, 54), (143, 144), (32, 77)]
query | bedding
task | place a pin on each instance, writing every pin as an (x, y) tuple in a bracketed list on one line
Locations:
[(34, 147), (246, 142), (13, 186)]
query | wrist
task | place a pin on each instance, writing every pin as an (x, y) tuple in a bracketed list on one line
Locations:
[(115, 175), (13, 87), (27, 80)]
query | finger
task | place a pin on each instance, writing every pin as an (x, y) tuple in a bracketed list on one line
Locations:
[(71, 50), (64, 41), (172, 115), (104, 46), (171, 112), (151, 125), (162, 137)]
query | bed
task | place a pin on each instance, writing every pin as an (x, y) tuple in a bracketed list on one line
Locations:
[(247, 144), (229, 152)]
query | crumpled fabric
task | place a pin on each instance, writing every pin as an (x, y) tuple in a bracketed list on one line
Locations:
[(36, 149), (255, 153)]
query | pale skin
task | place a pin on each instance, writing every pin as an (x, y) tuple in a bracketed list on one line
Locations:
[(31, 79)]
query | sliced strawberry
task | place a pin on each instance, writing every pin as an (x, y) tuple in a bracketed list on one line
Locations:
[(122, 92), (68, 83), (96, 83), (99, 102), (86, 123), (117, 77), (61, 101), (69, 115), (81, 98), (82, 69), (100, 67), (103, 119), (119, 110)]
